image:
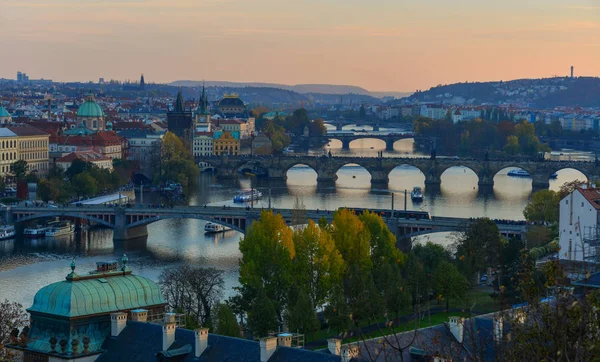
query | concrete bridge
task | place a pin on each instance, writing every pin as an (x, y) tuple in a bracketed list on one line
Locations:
[(389, 139), (130, 222), (380, 168)]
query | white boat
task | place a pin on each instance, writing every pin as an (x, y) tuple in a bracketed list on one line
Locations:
[(63, 228), (211, 227), (416, 194), (247, 196), (518, 173), (37, 231), (7, 231)]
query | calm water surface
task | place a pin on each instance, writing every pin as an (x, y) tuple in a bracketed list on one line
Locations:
[(28, 265)]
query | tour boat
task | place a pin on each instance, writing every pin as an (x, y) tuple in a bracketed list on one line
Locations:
[(247, 196), (63, 228), (211, 227), (518, 173), (7, 231), (416, 194), (38, 231)]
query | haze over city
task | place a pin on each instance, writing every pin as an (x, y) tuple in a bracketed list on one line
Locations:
[(382, 45)]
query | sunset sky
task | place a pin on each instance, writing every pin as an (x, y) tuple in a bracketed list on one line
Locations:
[(382, 45)]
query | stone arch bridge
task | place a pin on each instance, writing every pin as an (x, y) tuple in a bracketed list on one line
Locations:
[(380, 168), (389, 139)]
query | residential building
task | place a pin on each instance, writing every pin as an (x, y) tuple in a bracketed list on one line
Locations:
[(141, 143), (578, 225), (93, 157), (5, 117), (433, 112), (457, 116), (245, 127), (226, 143), (32, 146), (108, 143), (9, 152), (262, 145)]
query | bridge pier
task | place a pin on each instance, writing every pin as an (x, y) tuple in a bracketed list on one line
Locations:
[(380, 178), (339, 127), (277, 174), (389, 145), (541, 181), (345, 144), (376, 127), (122, 232)]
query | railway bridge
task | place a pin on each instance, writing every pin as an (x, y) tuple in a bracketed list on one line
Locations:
[(131, 222)]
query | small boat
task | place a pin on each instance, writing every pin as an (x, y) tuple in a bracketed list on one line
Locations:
[(63, 228), (416, 194), (248, 196), (38, 231), (554, 176), (518, 173), (7, 231), (211, 227)]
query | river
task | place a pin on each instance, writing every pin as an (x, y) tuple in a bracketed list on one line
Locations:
[(27, 265)]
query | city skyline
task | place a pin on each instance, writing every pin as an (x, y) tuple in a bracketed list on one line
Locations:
[(381, 45)]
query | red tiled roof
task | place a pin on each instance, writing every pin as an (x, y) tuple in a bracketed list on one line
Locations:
[(27, 130), (88, 156), (592, 195)]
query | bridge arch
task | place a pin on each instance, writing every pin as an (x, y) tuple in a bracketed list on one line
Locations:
[(358, 173), (473, 172), (153, 219), (569, 173), (406, 176), (64, 214), (308, 174)]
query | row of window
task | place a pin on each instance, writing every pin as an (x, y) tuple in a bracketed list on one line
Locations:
[(9, 156), (9, 144), (32, 144), (34, 155)]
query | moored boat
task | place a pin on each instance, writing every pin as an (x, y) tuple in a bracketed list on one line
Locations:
[(247, 196), (62, 228), (38, 231), (211, 227), (7, 231)]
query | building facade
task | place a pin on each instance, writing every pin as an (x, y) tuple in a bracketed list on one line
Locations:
[(32, 146), (203, 144), (92, 157), (5, 117), (262, 145), (9, 152), (225, 143), (578, 225)]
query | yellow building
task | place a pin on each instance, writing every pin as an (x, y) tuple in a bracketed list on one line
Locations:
[(226, 144), (8, 150), (32, 146)]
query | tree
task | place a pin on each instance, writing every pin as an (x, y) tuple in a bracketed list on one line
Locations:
[(544, 206), (479, 247), (449, 282), (301, 316), (12, 317), (85, 185), (318, 265), (176, 162), (352, 239), (225, 322), (512, 145), (19, 169), (362, 113), (262, 317), (266, 264), (194, 291), (77, 167), (47, 190)]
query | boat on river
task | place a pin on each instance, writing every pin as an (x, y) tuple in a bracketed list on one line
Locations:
[(7, 232), (416, 194), (62, 228), (211, 228), (38, 231), (518, 173), (248, 196)]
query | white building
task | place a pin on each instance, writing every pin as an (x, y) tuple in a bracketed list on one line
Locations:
[(433, 112), (203, 144), (578, 225)]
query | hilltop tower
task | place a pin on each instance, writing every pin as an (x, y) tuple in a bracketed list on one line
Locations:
[(142, 82), (572, 71)]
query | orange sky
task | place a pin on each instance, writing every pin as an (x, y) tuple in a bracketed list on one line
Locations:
[(382, 45)]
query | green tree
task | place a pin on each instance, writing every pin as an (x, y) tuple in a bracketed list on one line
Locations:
[(479, 247), (47, 191), (301, 315), (449, 283), (318, 265), (226, 323), (175, 162), (544, 206), (85, 185), (266, 263), (19, 169), (512, 145), (77, 166), (262, 316)]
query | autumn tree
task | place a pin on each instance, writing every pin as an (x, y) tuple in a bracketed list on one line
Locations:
[(12, 317), (175, 162), (544, 206)]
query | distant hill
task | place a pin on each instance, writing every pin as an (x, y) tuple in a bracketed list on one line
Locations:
[(299, 88), (541, 93)]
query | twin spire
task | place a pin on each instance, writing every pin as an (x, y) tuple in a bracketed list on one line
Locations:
[(203, 104)]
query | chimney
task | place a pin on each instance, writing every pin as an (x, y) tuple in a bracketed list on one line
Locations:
[(334, 345), (118, 321), (284, 339), (201, 338), (456, 328), (139, 315), (498, 327), (168, 330), (268, 345), (349, 352)]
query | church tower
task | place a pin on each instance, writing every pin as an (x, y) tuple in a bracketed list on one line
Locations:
[(179, 121), (202, 113), (142, 82)]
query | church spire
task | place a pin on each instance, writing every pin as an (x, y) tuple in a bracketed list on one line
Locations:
[(179, 104), (142, 82), (203, 101)]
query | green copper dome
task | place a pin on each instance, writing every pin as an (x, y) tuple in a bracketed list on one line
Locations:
[(90, 108), (4, 112), (86, 295)]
